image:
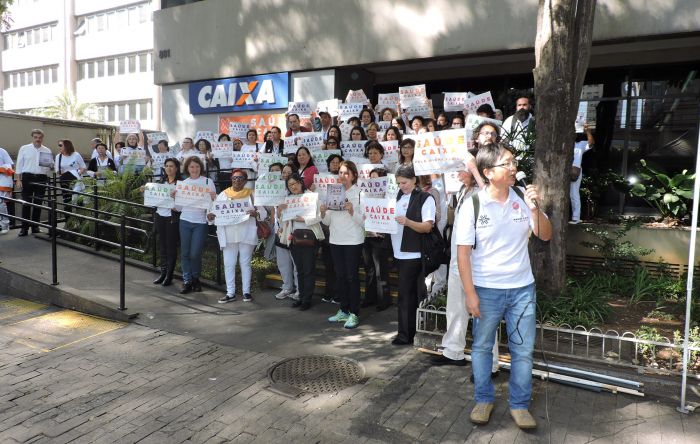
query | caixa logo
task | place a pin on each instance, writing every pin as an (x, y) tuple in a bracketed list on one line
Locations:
[(267, 91)]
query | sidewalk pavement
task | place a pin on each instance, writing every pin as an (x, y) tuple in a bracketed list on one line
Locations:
[(191, 370)]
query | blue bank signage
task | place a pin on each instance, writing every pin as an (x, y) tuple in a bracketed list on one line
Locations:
[(267, 91)]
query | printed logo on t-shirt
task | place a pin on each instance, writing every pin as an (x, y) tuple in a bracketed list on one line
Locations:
[(484, 220), (516, 205)]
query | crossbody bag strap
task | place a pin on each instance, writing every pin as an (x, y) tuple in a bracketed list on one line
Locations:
[(477, 206)]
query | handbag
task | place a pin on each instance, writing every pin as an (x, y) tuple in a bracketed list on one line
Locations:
[(264, 230), (303, 237)]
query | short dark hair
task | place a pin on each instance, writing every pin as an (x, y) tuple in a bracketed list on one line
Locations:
[(178, 175), (477, 130), (406, 171), (488, 155), (331, 158), (458, 116), (68, 146), (101, 144), (486, 109), (396, 131), (297, 177), (276, 164), (373, 145), (207, 144), (119, 145), (420, 118), (381, 172), (367, 110), (224, 136), (293, 115), (196, 160)]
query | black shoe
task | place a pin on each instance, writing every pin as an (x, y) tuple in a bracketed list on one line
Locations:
[(399, 341), (186, 288), (304, 306), (196, 285), (297, 304), (494, 375), (36, 230), (382, 307), (444, 360), (161, 278), (168, 277), (22, 233)]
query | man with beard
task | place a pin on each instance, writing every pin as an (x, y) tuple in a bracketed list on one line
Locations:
[(517, 127)]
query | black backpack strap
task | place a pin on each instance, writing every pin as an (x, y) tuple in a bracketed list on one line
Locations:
[(60, 159), (477, 206), (519, 192)]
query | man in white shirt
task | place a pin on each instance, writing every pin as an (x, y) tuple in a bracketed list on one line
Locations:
[(580, 148), (34, 162), (517, 127)]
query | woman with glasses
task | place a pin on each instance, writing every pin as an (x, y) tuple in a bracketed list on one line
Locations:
[(331, 143), (186, 150), (238, 241), (304, 255), (406, 149), (494, 267), (358, 133)]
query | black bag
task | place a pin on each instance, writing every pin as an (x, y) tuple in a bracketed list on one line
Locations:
[(435, 251), (303, 237)]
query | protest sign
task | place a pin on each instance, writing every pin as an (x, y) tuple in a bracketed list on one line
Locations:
[(474, 120), (190, 195), (353, 148), (392, 187), (158, 195), (373, 187), (260, 122), (391, 151), (581, 115), (454, 101), (347, 110), (211, 136), (345, 129), (292, 143), (380, 215), (265, 160), (46, 160), (364, 169), (452, 183), (302, 109), (243, 159), (384, 125), (321, 182), (155, 137), (330, 106), (440, 152), (133, 156), (231, 211), (422, 110), (412, 95), (270, 189), (474, 102), (390, 100), (312, 141), (321, 158), (335, 197), (357, 96), (237, 130), (221, 149), (158, 161), (303, 205), (129, 127)]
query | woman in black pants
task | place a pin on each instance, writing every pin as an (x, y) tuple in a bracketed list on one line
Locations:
[(168, 227)]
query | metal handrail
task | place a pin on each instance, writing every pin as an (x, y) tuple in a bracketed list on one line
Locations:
[(80, 193)]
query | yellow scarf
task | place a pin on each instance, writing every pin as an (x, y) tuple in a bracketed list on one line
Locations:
[(232, 194)]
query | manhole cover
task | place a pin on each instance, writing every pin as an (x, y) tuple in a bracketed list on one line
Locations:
[(316, 374)]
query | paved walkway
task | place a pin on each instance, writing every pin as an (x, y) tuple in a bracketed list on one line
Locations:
[(196, 371)]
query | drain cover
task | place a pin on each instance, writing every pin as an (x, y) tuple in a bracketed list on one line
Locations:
[(315, 374)]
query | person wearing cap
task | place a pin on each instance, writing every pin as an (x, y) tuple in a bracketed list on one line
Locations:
[(93, 144)]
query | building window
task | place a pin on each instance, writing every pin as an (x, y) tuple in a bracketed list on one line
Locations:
[(110, 67), (47, 77), (54, 74), (132, 64), (143, 62), (100, 68), (90, 70), (111, 115), (101, 22), (121, 62)]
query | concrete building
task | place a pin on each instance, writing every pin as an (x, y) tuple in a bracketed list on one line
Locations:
[(100, 51), (641, 87)]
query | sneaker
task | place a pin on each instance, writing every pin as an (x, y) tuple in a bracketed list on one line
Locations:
[(327, 299), (523, 419), (444, 360), (247, 297), (294, 296), (574, 222), (352, 321), (227, 298), (284, 294), (341, 316), (334, 301), (481, 413), (4, 230)]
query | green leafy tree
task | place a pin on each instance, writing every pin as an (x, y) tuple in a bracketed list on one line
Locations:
[(671, 196), (66, 106), (5, 19)]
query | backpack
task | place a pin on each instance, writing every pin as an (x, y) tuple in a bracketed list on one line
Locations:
[(435, 251), (477, 206)]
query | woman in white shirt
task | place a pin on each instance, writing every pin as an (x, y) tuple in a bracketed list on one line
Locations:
[(238, 240), (133, 156), (415, 214), (69, 167), (347, 235), (193, 225)]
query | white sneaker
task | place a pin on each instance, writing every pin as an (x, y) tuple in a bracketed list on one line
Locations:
[(284, 294), (574, 222), (294, 296), (4, 231)]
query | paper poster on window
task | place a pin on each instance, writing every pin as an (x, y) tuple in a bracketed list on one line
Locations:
[(353, 148), (380, 215), (373, 187), (231, 211), (330, 106), (321, 159), (312, 141), (270, 189), (321, 182), (190, 195), (391, 151), (390, 100), (158, 195), (260, 122), (129, 127), (265, 160), (301, 109), (474, 102), (243, 159), (348, 110), (364, 169), (454, 101), (303, 205), (440, 152), (335, 197), (412, 95), (357, 96)]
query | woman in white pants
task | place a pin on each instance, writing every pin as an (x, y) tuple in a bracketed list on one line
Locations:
[(455, 338), (238, 241)]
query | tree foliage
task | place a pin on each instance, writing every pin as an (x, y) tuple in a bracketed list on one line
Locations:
[(66, 106)]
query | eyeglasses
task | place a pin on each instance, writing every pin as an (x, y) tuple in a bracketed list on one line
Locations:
[(238, 178), (332, 143), (488, 133), (510, 164), (60, 145), (291, 183)]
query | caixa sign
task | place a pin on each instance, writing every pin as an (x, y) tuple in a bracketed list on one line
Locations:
[(267, 91)]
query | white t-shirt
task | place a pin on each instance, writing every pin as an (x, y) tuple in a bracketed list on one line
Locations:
[(34, 160), (500, 259), (192, 214), (580, 149), (5, 159), (96, 154), (466, 201), (71, 163), (427, 214)]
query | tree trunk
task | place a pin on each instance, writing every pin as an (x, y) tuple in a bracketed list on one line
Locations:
[(562, 50)]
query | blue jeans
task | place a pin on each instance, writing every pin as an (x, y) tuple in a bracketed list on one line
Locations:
[(517, 306), (192, 238)]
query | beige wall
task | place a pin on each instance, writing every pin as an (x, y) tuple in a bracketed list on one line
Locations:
[(226, 38)]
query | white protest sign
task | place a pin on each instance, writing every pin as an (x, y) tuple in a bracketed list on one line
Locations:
[(474, 120), (474, 102), (270, 189), (353, 148), (422, 110), (384, 125), (380, 215), (243, 159), (345, 129), (206, 135), (292, 143), (129, 126), (232, 211), (238, 130), (330, 106), (133, 156), (302, 109), (335, 197), (154, 138), (452, 182), (440, 152), (454, 101), (321, 158), (321, 182), (222, 149), (581, 115), (158, 161), (348, 110), (191, 195), (303, 205), (364, 169), (265, 160), (391, 151), (373, 187), (390, 100), (312, 141), (392, 187), (158, 195), (412, 95), (357, 96)]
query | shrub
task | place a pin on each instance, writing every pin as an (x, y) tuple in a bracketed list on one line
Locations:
[(584, 302)]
